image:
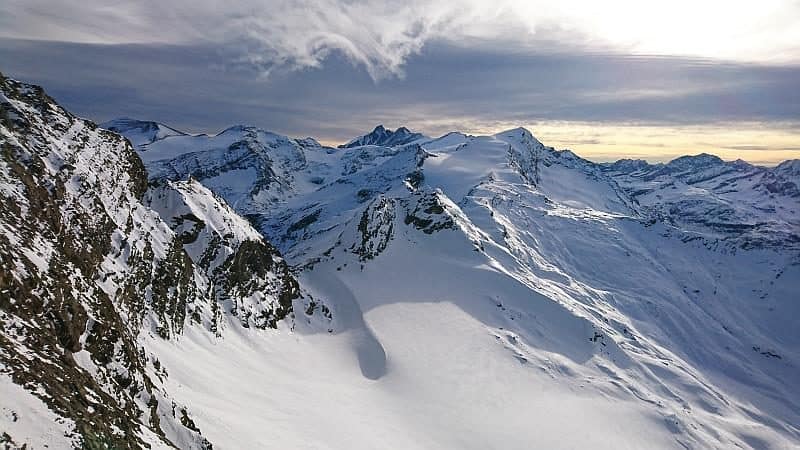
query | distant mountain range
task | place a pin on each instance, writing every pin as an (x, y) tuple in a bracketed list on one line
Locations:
[(251, 290)]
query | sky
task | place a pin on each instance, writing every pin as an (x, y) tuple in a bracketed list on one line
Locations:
[(607, 79)]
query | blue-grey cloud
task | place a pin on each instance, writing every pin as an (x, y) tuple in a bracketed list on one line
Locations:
[(445, 87)]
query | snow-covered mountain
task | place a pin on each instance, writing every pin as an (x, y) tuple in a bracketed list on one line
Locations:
[(456, 292), (732, 202), (94, 262), (790, 170)]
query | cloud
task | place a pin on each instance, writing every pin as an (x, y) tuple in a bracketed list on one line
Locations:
[(763, 148), (380, 36), (445, 87), (266, 35)]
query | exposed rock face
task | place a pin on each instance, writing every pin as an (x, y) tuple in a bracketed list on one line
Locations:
[(428, 213), (87, 266), (248, 276), (376, 227)]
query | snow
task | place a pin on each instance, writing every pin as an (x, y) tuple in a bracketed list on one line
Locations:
[(457, 172), (179, 145), (448, 386), (29, 422)]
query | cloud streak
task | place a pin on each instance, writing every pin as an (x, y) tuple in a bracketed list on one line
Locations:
[(380, 36), (445, 87)]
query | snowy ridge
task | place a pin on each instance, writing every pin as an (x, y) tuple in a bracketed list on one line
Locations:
[(198, 217), (253, 281)]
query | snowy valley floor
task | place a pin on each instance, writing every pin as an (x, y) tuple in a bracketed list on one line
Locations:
[(448, 384)]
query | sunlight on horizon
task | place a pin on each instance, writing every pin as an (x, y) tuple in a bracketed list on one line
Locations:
[(756, 143)]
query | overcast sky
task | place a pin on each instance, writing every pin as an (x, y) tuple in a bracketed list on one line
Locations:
[(607, 79)]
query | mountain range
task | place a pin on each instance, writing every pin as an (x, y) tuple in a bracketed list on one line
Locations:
[(245, 289)]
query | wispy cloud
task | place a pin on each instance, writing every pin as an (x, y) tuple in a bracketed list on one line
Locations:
[(267, 35), (380, 35)]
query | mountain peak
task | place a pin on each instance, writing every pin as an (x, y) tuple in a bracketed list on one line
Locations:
[(380, 135), (238, 128), (517, 130), (628, 165), (519, 133), (789, 169), (700, 160)]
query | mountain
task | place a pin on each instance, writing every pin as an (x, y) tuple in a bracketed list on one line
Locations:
[(93, 260), (729, 202), (789, 170), (247, 275), (384, 137), (452, 292)]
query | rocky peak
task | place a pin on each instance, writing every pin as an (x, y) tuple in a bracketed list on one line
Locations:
[(382, 136)]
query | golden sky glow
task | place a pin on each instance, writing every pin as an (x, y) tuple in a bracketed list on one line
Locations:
[(752, 142), (756, 143)]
